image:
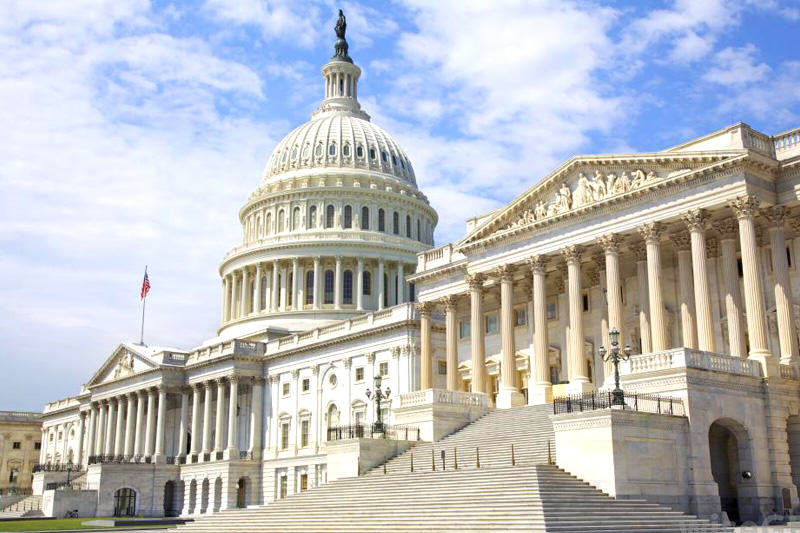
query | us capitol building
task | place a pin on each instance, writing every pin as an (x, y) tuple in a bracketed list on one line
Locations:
[(690, 254)]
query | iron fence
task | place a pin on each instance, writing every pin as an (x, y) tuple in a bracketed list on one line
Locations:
[(632, 401), (373, 431), (50, 467)]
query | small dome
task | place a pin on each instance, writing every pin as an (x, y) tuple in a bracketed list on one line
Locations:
[(340, 139)]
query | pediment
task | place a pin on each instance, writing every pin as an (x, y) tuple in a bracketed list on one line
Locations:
[(586, 182), (124, 361)]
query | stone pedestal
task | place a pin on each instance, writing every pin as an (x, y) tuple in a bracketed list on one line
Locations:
[(355, 457), (437, 413), (507, 398), (578, 387)]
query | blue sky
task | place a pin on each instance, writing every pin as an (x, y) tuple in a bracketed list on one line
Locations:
[(133, 131)]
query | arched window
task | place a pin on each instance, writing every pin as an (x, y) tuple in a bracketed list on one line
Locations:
[(347, 287), (367, 283), (310, 287), (365, 217), (372, 153), (329, 286), (384, 157), (332, 150), (312, 217), (412, 292), (418, 238), (289, 291), (360, 151), (281, 218), (408, 226), (385, 290), (381, 220), (348, 216), (318, 150), (329, 216), (394, 160), (268, 224), (263, 296), (346, 150), (296, 219), (396, 223)]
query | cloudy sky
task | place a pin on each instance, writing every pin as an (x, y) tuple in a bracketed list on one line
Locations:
[(132, 131)]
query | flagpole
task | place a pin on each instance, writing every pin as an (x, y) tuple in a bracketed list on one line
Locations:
[(144, 304)]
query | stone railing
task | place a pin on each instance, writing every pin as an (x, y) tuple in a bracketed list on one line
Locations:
[(435, 257), (20, 416), (429, 396), (790, 372), (787, 144), (687, 358)]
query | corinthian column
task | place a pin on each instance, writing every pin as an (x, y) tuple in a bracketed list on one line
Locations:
[(508, 395), (426, 349), (196, 427), (317, 280), (730, 273), (130, 425), (218, 445), (207, 417), (138, 444), (81, 426), (745, 208), (257, 296), (234, 290), (783, 291), (683, 247), (275, 291), (610, 244), (651, 233), (640, 254), (451, 341), (541, 390), (150, 441), (108, 449), (161, 420), (118, 431), (243, 307), (233, 420), (578, 376), (183, 424), (225, 299), (696, 222), (337, 284), (477, 344)]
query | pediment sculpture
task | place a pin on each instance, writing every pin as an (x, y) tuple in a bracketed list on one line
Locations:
[(124, 366)]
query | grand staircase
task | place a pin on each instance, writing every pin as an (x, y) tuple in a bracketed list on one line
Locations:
[(28, 506), (485, 493)]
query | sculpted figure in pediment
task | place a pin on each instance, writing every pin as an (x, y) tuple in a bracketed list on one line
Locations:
[(611, 180), (583, 192), (124, 365), (651, 176), (541, 210), (622, 184), (638, 179), (564, 198), (598, 186)]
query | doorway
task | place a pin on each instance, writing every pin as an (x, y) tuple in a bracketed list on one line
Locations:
[(725, 468), (125, 502)]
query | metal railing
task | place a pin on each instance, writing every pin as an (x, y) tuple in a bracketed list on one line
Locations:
[(373, 431), (633, 401), (119, 459), (50, 467)]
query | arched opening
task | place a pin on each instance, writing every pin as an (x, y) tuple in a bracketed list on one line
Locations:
[(281, 222), (241, 492), (125, 502), (170, 507), (296, 219), (192, 497), (329, 216), (408, 226), (268, 223), (727, 443), (329, 286), (365, 217), (312, 217), (396, 223), (347, 287), (348, 217), (217, 494), (381, 220), (309, 287), (204, 496), (333, 418)]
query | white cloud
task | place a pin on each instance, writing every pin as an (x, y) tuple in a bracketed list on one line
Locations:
[(736, 66), (277, 19)]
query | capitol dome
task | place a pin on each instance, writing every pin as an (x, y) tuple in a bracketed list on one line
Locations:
[(334, 225)]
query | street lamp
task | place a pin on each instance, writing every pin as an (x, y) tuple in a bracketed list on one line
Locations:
[(379, 395), (615, 356)]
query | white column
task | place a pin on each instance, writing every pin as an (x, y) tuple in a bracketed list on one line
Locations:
[(296, 304), (118, 432), (207, 417), (139, 442), (360, 284), (337, 284), (258, 289), (745, 208), (640, 254), (275, 292), (233, 426), (234, 290), (90, 445), (150, 434), (183, 424), (99, 448), (401, 284), (477, 344), (317, 280), (218, 428), (426, 348), (541, 389), (225, 299), (683, 249), (130, 425), (787, 333), (257, 418), (161, 420), (243, 301), (577, 372), (284, 289), (508, 395), (81, 427), (196, 426), (381, 285), (696, 221), (733, 299), (610, 244), (451, 342), (274, 422), (651, 232), (108, 447)]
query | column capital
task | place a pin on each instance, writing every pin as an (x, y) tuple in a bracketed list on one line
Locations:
[(572, 254), (449, 302), (274, 379), (151, 391), (727, 228), (424, 308), (775, 216), (695, 219), (610, 242), (259, 380), (745, 206), (233, 378), (475, 281), (681, 241), (651, 231), (537, 264), (639, 251), (208, 384), (504, 272), (220, 381)]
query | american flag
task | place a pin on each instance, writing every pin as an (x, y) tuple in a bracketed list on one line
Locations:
[(145, 284)]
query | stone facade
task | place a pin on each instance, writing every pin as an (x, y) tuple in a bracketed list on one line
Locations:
[(20, 441)]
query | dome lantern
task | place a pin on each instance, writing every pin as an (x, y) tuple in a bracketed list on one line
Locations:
[(341, 78)]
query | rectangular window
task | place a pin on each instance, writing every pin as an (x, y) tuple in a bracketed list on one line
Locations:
[(17, 445), (360, 373), (306, 385), (490, 322), (383, 369), (37, 445), (284, 435), (442, 366), (284, 487), (520, 317), (304, 425), (463, 329), (585, 302), (285, 389), (303, 482)]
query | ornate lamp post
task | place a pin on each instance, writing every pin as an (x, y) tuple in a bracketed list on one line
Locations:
[(615, 356), (379, 395)]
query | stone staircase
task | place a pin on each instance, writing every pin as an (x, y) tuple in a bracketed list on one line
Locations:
[(531, 495), (28, 506)]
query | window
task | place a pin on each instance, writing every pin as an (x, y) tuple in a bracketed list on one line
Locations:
[(285, 435), (294, 152), (418, 233), (304, 425), (283, 491), (585, 302), (408, 226), (347, 292), (332, 149), (789, 257), (268, 223), (289, 290), (303, 482), (552, 309), (285, 389), (360, 151), (360, 373), (381, 220), (329, 286), (394, 160), (740, 267), (17, 445), (490, 322), (329, 216), (332, 380), (296, 218), (383, 369), (37, 445), (520, 317), (312, 217), (306, 385), (348, 217), (309, 287), (396, 223), (281, 218), (367, 283), (346, 150), (365, 217), (372, 153), (318, 150), (412, 292), (463, 329), (385, 290), (51, 437), (442, 367), (384, 157)]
